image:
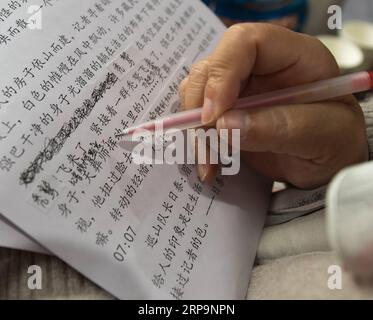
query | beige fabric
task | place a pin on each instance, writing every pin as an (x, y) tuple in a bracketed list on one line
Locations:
[(301, 235), (293, 261), (303, 276)]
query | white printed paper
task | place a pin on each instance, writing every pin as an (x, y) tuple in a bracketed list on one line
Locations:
[(93, 69)]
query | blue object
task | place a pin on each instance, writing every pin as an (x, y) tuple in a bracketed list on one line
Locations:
[(259, 10)]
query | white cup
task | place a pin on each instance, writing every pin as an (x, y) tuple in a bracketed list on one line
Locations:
[(348, 55), (361, 33)]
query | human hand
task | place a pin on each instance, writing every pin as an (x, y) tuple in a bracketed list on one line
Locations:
[(302, 144)]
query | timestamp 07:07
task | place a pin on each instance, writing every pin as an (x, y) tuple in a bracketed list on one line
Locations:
[(122, 249)]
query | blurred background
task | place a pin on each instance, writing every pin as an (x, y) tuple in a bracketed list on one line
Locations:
[(351, 43), (309, 16)]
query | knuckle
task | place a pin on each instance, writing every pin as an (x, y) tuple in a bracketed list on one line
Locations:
[(222, 67), (282, 123), (239, 29), (199, 67), (233, 52), (249, 32), (218, 71), (327, 66), (182, 86), (199, 72)]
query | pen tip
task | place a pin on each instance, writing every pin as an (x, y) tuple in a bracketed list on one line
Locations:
[(123, 134)]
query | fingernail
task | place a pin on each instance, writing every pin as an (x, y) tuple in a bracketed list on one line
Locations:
[(202, 172), (234, 121), (207, 111)]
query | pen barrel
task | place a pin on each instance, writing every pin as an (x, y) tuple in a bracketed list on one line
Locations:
[(308, 93), (180, 121), (312, 92)]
